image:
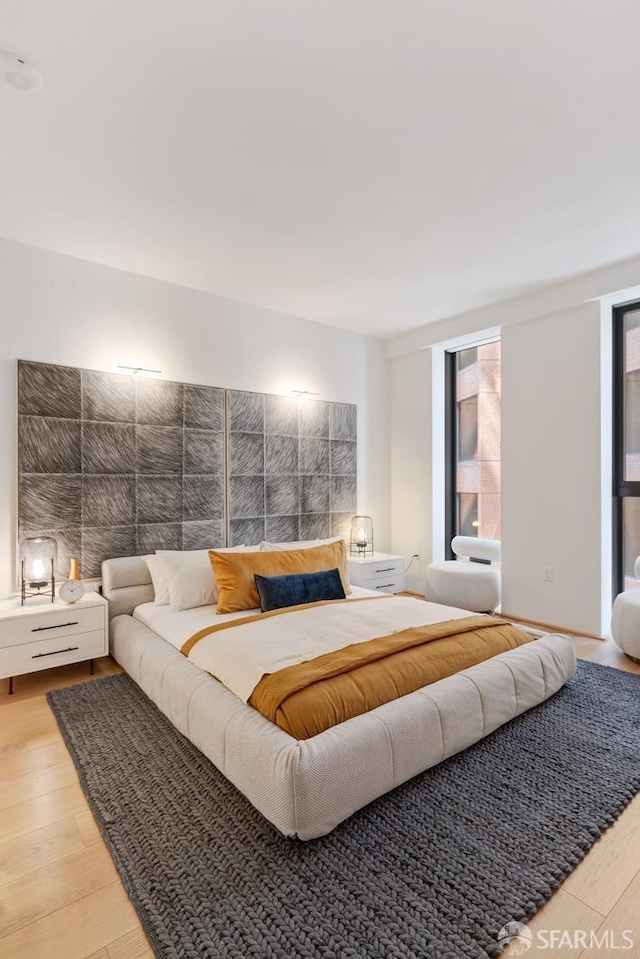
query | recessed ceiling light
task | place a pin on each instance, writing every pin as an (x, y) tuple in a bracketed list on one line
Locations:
[(19, 72)]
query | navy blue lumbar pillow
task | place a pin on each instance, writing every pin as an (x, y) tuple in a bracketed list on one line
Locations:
[(278, 592)]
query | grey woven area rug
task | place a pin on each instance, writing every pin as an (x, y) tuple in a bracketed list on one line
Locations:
[(435, 868)]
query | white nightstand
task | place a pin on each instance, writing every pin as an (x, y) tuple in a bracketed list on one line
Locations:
[(382, 571), (42, 634)]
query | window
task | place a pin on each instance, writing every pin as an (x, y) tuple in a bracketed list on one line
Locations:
[(468, 514), (468, 429), (626, 467), (473, 442), (467, 357)]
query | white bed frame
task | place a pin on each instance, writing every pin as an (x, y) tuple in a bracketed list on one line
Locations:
[(307, 788)]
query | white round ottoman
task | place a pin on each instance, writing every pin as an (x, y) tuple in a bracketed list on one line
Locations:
[(474, 586), (625, 623)]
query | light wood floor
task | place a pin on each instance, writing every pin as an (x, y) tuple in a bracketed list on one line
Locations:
[(60, 894)]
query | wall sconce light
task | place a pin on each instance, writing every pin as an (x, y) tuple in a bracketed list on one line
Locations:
[(303, 393), (361, 535), (38, 557), (136, 370)]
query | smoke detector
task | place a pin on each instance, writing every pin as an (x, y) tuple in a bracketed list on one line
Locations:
[(19, 72)]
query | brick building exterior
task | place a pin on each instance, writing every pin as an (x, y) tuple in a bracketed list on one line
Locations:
[(478, 467)]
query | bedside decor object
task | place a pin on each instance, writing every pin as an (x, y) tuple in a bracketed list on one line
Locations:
[(38, 556), (73, 589), (362, 535)]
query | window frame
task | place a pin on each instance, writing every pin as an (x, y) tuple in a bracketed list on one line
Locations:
[(451, 437), (451, 451), (622, 488)]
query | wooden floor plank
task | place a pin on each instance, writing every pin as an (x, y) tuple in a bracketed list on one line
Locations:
[(621, 926), (88, 828), (28, 734), (34, 761), (42, 810), (40, 847), (20, 709), (132, 946), (612, 864), (36, 684), (30, 785), (77, 930), (565, 914), (46, 890)]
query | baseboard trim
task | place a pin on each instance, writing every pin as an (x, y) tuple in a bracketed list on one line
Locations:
[(551, 627), (547, 627)]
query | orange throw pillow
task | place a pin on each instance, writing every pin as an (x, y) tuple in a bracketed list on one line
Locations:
[(234, 572)]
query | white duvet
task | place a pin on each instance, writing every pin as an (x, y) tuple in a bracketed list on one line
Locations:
[(239, 657), (177, 626)]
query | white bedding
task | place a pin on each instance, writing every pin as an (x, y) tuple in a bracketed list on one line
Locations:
[(241, 656), (177, 626)]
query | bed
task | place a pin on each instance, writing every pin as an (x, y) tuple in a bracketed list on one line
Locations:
[(306, 787)]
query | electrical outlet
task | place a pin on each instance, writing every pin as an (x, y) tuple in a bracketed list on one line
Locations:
[(547, 574)]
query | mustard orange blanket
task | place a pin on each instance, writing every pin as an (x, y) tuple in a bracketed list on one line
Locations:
[(310, 696)]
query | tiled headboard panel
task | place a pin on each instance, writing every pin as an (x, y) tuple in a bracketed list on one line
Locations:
[(116, 465), (292, 468)]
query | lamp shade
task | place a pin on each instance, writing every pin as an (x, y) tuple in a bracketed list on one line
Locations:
[(38, 558), (36, 555), (362, 534)]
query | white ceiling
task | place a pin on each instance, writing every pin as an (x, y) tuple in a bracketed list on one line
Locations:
[(372, 165)]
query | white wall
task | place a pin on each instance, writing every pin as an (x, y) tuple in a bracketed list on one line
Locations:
[(59, 309), (555, 438), (556, 463), (411, 474)]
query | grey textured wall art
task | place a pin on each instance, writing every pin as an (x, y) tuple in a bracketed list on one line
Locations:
[(115, 465), (292, 468)]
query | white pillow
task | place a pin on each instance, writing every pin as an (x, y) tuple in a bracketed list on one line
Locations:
[(160, 580), (267, 547), (190, 576), (172, 560), (193, 585)]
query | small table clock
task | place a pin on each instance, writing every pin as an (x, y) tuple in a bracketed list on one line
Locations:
[(72, 590)]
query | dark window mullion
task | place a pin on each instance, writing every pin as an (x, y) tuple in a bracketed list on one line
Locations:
[(450, 456), (623, 488)]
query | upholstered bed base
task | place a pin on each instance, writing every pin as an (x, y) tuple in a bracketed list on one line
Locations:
[(306, 788)]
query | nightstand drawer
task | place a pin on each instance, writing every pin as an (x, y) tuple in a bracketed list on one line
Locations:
[(377, 572), (50, 623), (388, 584), (45, 653)]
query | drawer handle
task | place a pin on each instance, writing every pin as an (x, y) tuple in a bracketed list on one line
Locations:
[(69, 649), (40, 629), (385, 585), (387, 569)]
